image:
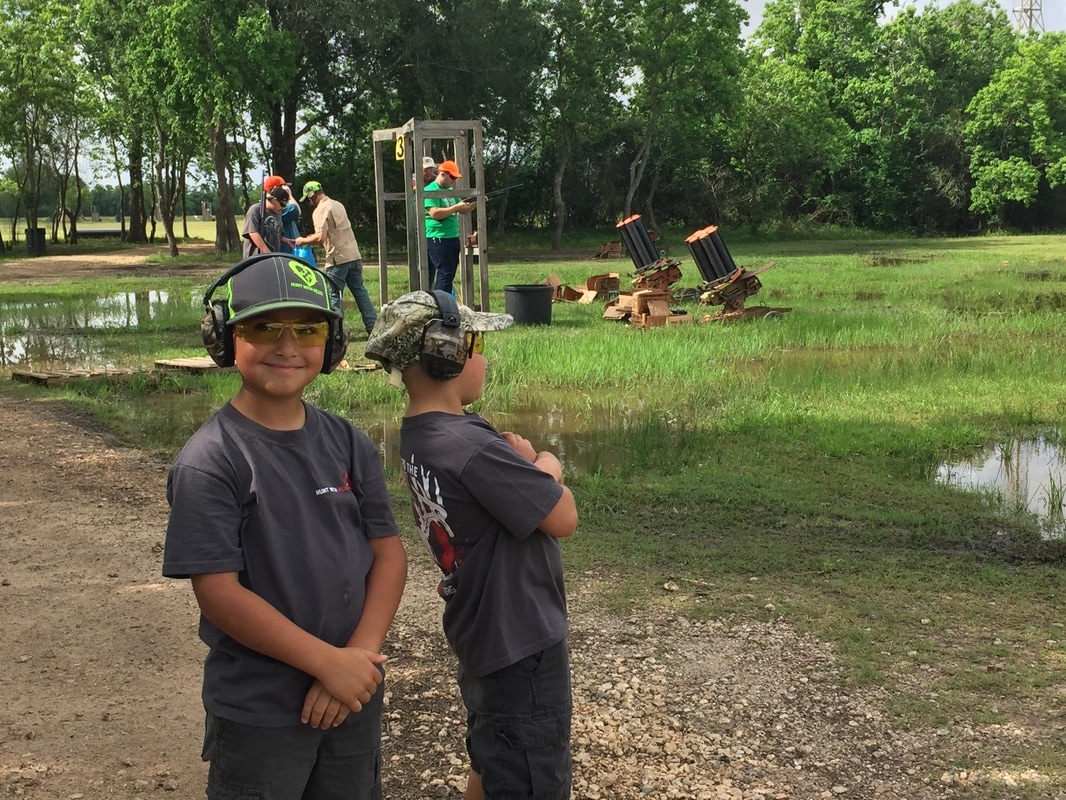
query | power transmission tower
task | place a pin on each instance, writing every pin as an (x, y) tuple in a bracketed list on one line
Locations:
[(1029, 15)]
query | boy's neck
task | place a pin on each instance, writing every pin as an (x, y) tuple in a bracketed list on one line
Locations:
[(286, 415), (425, 405)]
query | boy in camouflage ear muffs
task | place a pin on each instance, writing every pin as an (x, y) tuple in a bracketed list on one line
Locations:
[(491, 509)]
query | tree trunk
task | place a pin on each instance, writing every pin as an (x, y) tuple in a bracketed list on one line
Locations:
[(501, 207), (137, 229), (636, 166), (563, 160), (121, 191), (165, 191), (649, 205), (227, 239), (283, 140)]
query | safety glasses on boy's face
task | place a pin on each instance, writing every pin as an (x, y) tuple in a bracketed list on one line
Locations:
[(306, 334), (475, 343)]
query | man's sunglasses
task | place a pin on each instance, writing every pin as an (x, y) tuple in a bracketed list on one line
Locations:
[(306, 334), (475, 343)]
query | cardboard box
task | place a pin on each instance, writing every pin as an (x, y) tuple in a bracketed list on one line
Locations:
[(608, 282), (641, 298), (658, 307), (679, 319)]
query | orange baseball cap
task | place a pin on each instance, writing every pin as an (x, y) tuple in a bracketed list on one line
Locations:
[(451, 168), (273, 182)]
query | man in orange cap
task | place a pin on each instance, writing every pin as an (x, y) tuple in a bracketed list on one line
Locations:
[(442, 228), (262, 221), (290, 215)]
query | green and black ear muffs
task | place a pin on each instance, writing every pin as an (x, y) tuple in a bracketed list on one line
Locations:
[(218, 335)]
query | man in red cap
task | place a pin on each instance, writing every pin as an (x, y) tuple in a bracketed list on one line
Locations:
[(442, 228)]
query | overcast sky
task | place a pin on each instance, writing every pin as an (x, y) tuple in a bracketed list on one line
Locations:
[(1054, 11)]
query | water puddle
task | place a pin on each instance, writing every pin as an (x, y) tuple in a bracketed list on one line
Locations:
[(573, 435), (1025, 476), (49, 334)]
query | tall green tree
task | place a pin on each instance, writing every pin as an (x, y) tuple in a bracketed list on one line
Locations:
[(686, 60), (786, 143), (111, 30), (1017, 129), (580, 87), (911, 170), (38, 70), (342, 55)]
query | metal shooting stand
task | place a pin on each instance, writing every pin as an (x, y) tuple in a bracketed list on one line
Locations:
[(410, 143), (725, 283), (654, 269)]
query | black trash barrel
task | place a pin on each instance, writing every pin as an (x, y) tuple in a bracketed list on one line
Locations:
[(35, 241), (529, 304)]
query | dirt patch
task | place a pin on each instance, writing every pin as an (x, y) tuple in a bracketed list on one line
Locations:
[(100, 667), (53, 267)]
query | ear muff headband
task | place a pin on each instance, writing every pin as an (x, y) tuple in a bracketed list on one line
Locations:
[(218, 336), (442, 351)]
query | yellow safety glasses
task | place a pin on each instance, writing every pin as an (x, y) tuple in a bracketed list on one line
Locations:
[(475, 343), (306, 334)]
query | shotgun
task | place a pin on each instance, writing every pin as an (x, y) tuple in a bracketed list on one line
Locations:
[(490, 195)]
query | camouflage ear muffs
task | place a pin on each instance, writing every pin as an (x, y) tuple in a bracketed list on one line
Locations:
[(442, 352)]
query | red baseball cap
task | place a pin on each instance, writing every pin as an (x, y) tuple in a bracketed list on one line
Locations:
[(451, 168)]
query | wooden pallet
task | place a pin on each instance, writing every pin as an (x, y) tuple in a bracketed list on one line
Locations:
[(60, 376), (199, 364)]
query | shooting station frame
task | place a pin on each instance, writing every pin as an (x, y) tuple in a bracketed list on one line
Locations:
[(409, 143)]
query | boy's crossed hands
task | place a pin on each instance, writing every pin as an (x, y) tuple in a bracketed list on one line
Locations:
[(544, 460), (349, 678)]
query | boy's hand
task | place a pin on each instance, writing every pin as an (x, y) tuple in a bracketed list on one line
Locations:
[(352, 676), (321, 709), (521, 445)]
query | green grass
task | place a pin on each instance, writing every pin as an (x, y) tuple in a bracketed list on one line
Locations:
[(760, 464)]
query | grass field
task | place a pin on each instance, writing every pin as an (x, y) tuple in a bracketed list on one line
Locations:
[(772, 466)]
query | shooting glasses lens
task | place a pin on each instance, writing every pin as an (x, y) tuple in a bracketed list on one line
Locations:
[(306, 334), (475, 343)]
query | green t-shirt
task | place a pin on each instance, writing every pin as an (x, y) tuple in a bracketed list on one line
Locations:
[(448, 228)]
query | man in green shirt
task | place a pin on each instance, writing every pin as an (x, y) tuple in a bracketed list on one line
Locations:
[(442, 228)]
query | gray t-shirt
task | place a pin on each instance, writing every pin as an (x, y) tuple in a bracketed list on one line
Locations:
[(267, 224), (477, 504), (291, 512)]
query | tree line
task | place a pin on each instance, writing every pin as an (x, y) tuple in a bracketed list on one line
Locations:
[(946, 121)]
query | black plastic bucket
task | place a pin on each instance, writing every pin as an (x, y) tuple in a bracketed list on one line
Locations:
[(35, 241), (529, 304)]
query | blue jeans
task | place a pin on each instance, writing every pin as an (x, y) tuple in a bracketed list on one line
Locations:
[(297, 762), (443, 262), (518, 726), (350, 274)]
